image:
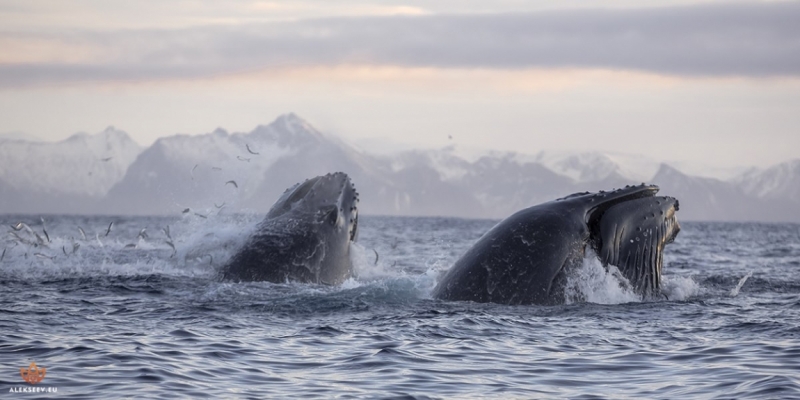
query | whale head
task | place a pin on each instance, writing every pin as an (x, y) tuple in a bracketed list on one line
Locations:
[(628, 228), (330, 200)]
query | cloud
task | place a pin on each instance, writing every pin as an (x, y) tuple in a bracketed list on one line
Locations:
[(750, 40)]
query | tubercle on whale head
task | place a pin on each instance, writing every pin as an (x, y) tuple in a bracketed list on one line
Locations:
[(605, 200), (329, 196)]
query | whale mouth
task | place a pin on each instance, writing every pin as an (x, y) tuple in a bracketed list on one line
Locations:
[(331, 198), (630, 232)]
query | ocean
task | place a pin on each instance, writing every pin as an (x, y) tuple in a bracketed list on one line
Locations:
[(128, 313)]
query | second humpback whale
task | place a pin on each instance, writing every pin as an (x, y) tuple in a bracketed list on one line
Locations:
[(525, 258), (305, 236)]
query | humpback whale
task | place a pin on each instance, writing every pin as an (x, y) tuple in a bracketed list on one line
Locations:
[(305, 236), (525, 259)]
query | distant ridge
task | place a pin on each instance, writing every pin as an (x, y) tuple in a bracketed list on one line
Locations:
[(70, 176), (109, 173)]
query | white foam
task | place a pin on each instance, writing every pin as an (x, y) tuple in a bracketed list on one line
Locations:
[(679, 288), (368, 272), (591, 283), (365, 268), (212, 240)]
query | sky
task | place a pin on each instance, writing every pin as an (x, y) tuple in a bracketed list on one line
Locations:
[(712, 84)]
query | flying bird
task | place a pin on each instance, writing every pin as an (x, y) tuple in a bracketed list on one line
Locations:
[(44, 229), (249, 150), (106, 159), (166, 232), (243, 159), (193, 168), (109, 228), (232, 182), (220, 206), (173, 248)]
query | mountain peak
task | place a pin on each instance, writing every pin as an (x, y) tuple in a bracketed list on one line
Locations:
[(294, 123), (780, 180), (288, 130), (595, 166), (666, 170)]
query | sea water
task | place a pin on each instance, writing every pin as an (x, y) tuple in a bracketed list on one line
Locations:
[(137, 311)]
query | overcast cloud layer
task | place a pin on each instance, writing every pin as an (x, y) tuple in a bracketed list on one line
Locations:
[(754, 40)]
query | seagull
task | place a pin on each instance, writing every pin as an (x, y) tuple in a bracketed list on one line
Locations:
[(243, 159), (106, 159), (4, 255), (376, 256), (233, 182), (109, 228), (216, 168), (193, 168), (173, 248), (142, 234), (186, 210), (249, 150), (220, 206), (200, 215), (166, 232), (83, 234)]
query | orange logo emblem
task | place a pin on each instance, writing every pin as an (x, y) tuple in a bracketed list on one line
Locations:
[(33, 374)]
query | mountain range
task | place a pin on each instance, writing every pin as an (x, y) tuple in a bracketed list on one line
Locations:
[(109, 173)]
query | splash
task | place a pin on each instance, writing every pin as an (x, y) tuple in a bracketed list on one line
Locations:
[(679, 288), (190, 246), (213, 240), (368, 272), (365, 268), (735, 291), (590, 282)]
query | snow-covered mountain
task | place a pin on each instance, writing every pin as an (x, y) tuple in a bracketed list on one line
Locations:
[(247, 171), (65, 176), (597, 166), (203, 172), (780, 181)]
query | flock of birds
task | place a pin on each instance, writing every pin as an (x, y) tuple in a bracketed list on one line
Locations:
[(230, 182), (21, 234)]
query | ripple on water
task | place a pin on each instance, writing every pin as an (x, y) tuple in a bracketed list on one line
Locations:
[(143, 324)]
